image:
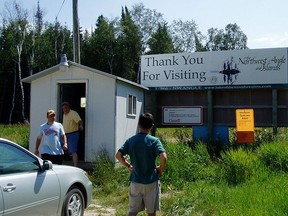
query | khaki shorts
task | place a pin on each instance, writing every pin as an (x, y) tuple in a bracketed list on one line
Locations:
[(144, 196)]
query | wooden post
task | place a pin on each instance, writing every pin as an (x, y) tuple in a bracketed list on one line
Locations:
[(274, 111), (76, 38), (210, 114)]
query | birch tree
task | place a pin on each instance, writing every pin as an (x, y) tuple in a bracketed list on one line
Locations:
[(230, 38), (183, 35), (18, 22), (147, 21)]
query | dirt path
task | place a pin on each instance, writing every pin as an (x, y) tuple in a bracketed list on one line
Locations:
[(97, 210)]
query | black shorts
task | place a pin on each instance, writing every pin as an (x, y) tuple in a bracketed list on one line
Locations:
[(55, 159)]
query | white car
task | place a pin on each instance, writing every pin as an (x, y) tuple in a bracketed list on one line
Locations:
[(31, 186)]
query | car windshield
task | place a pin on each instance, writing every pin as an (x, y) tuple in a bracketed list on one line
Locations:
[(14, 160)]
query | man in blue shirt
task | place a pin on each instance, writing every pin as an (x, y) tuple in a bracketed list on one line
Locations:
[(143, 149)]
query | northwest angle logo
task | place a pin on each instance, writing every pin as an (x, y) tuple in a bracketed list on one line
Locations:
[(230, 71)]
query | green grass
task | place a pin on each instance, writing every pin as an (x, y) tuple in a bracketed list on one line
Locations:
[(199, 189), (240, 182), (18, 133), (244, 180)]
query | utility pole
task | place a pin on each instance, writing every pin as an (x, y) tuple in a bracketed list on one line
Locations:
[(76, 38)]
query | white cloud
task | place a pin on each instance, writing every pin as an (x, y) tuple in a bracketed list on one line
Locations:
[(269, 41)]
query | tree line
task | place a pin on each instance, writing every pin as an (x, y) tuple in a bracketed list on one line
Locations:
[(29, 44)]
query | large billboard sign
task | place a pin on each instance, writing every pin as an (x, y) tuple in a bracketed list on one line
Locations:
[(262, 68)]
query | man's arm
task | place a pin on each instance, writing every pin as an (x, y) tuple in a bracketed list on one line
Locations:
[(38, 141), (80, 125), (122, 160), (64, 138), (163, 161)]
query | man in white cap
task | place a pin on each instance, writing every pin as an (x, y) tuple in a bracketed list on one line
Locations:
[(52, 140)]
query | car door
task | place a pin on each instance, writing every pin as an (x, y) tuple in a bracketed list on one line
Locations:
[(26, 189), (1, 202)]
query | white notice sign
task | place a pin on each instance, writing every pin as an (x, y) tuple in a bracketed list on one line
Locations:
[(182, 115)]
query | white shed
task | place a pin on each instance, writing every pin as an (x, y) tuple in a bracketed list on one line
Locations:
[(109, 105)]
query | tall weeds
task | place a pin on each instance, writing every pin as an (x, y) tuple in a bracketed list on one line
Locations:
[(274, 155), (245, 180), (18, 133), (237, 166)]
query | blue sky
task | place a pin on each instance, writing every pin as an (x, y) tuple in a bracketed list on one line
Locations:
[(265, 22)]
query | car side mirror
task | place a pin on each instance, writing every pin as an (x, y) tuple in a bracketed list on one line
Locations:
[(47, 165)]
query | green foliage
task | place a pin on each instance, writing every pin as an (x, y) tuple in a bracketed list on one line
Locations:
[(183, 35), (147, 21), (16, 133), (181, 169), (128, 47), (229, 39), (183, 135), (104, 173), (243, 182), (51, 44), (261, 135), (111, 184), (175, 135), (161, 42), (274, 155), (186, 165), (114, 46), (179, 203), (237, 166), (99, 48)]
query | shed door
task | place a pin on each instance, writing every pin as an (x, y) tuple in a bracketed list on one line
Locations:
[(73, 92)]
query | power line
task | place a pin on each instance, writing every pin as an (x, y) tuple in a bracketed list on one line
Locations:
[(60, 9)]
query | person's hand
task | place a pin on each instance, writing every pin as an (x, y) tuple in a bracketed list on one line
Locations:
[(130, 168), (81, 128), (36, 152), (159, 170), (65, 147)]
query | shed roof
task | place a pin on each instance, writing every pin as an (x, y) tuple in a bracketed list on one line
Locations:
[(57, 68)]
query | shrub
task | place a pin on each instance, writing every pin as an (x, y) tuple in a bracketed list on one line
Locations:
[(183, 135), (261, 135), (274, 155), (104, 172), (186, 165), (237, 166), (18, 133), (174, 135)]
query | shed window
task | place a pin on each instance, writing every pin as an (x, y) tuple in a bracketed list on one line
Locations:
[(132, 105)]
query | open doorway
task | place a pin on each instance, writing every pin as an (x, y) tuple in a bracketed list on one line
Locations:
[(75, 94)]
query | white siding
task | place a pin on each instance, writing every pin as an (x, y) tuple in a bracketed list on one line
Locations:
[(100, 116), (126, 126), (41, 102), (107, 125)]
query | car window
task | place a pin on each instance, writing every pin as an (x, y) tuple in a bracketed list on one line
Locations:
[(14, 160)]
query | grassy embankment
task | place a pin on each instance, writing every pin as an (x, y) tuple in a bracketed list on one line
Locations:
[(17, 133), (199, 180)]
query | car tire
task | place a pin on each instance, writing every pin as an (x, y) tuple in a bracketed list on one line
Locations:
[(74, 203)]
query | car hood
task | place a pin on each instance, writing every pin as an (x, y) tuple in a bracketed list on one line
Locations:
[(69, 170)]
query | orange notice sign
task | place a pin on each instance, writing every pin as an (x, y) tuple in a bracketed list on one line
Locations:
[(245, 120), (245, 125), (245, 137)]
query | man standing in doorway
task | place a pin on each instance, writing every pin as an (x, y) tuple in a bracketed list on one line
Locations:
[(72, 123)]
